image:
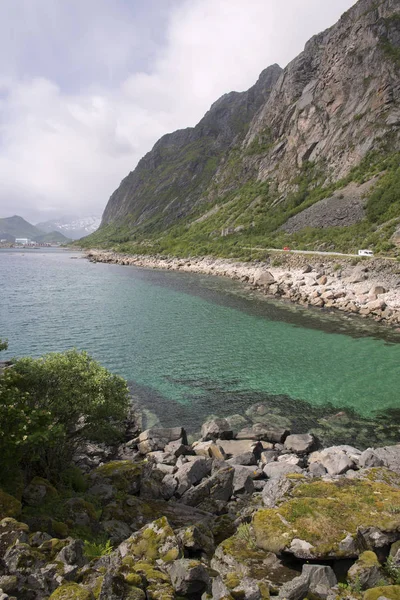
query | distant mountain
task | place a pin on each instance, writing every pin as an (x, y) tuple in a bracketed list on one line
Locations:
[(71, 226), (17, 227), (53, 237)]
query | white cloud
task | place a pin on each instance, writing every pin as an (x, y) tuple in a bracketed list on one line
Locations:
[(66, 141)]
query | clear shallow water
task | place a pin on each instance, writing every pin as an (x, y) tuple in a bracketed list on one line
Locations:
[(193, 345)]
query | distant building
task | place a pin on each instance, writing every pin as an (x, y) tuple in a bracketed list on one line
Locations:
[(23, 241)]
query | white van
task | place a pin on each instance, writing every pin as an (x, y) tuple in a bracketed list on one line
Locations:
[(365, 253)]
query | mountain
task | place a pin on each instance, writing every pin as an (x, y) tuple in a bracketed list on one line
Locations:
[(308, 157), (71, 226), (53, 237), (16, 227)]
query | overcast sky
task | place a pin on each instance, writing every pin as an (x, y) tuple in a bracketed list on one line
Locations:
[(88, 86)]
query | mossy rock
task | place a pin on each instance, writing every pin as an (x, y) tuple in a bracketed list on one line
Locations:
[(163, 592), (124, 475), (39, 491), (392, 592), (236, 558), (9, 506), (366, 571), (135, 593), (322, 514), (154, 542), (71, 591)]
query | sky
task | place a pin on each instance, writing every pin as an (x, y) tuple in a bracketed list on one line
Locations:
[(88, 86)]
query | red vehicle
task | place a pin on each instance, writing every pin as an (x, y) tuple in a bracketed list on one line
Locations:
[(286, 248)]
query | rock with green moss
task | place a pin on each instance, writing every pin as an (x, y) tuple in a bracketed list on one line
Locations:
[(11, 532), (38, 492), (238, 557), (9, 506), (197, 538), (324, 519), (22, 559), (123, 475), (79, 513), (71, 591), (366, 571), (154, 542), (392, 592)]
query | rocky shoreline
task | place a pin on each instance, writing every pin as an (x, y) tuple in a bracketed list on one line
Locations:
[(239, 514), (366, 287)]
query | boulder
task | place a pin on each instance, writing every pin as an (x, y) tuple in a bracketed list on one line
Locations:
[(72, 553), (191, 473), (263, 278), (189, 577), (336, 459), (234, 448), (390, 456), (275, 490), (73, 591), (296, 589), (246, 459), (278, 469), (197, 538), (369, 458), (366, 571), (12, 532), (391, 592), (117, 531), (38, 491), (216, 429), (300, 443), (157, 438), (242, 481), (262, 432), (209, 449), (212, 493)]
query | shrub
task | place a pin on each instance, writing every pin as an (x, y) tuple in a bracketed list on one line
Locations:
[(49, 405)]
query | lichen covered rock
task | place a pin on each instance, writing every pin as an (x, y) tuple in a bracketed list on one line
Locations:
[(323, 514)]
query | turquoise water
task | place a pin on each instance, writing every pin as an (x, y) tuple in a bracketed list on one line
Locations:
[(194, 341)]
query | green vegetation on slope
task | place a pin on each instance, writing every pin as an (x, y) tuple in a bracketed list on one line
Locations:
[(256, 209)]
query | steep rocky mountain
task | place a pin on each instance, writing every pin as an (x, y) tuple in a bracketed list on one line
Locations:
[(71, 226), (307, 136), (171, 179)]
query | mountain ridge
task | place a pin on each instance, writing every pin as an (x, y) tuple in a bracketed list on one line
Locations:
[(17, 227), (328, 121)]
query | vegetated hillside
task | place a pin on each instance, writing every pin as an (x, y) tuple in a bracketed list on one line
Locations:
[(308, 157), (53, 237), (17, 227)]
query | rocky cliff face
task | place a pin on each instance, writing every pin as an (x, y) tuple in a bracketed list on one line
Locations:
[(169, 181), (260, 157)]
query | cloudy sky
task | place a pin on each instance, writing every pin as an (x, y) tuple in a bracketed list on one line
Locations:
[(88, 86)]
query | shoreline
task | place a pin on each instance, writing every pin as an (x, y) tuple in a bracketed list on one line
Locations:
[(367, 287)]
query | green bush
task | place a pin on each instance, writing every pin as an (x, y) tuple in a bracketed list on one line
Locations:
[(49, 405)]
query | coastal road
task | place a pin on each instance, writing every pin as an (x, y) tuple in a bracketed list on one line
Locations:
[(315, 252)]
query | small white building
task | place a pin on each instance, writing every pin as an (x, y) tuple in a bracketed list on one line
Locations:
[(23, 241)]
